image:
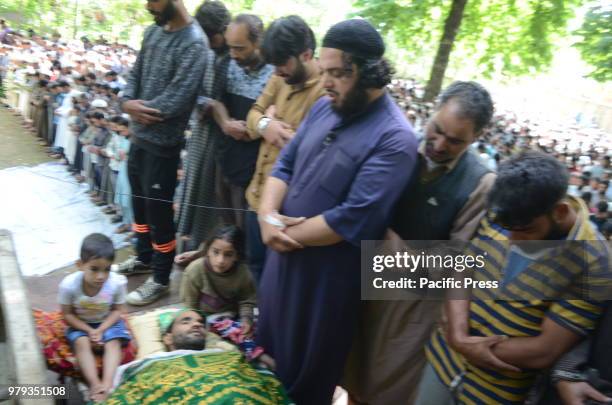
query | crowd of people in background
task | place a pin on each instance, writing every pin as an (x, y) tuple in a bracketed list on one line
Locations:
[(585, 150), (67, 95), (67, 92), (218, 120)]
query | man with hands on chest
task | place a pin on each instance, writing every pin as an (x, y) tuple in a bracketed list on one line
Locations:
[(333, 185)]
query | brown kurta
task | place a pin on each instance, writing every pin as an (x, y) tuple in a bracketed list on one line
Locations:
[(292, 104)]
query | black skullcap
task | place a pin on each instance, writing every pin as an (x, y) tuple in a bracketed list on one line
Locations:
[(357, 37)]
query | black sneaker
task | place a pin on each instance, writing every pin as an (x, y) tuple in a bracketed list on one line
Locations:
[(131, 266)]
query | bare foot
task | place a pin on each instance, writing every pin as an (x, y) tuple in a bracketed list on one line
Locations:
[(268, 361), (98, 393), (187, 257), (104, 395)]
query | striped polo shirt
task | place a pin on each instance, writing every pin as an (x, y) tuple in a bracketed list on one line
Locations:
[(522, 304)]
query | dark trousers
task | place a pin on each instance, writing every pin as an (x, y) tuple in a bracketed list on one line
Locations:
[(231, 197), (52, 133), (78, 157), (50, 126), (98, 169), (153, 178), (255, 246)]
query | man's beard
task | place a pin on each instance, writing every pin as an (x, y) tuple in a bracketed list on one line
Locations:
[(439, 160), (540, 247), (298, 76), (355, 102), (555, 232), (248, 62), (166, 15), (189, 342), (219, 51)]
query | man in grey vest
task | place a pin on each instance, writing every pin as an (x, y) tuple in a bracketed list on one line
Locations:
[(444, 201)]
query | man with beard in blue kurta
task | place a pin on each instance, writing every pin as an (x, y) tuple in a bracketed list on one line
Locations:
[(333, 186)]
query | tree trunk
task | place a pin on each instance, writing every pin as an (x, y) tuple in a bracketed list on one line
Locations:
[(76, 16), (451, 27)]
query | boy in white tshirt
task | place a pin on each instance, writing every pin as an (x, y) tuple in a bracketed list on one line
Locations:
[(92, 301)]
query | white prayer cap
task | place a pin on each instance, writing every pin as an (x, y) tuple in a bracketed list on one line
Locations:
[(99, 103)]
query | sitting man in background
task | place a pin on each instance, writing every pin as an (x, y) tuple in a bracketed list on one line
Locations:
[(189, 370)]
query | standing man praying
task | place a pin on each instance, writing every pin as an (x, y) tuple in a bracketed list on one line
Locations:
[(334, 185), (159, 98)]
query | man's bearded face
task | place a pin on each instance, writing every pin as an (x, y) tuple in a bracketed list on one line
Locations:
[(162, 14)]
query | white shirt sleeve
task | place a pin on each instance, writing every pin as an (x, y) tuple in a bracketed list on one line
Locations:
[(120, 290), (65, 295)]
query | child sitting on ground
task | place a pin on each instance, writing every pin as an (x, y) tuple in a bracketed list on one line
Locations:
[(92, 301), (221, 287)]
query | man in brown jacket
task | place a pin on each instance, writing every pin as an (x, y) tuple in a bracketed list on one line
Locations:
[(289, 45)]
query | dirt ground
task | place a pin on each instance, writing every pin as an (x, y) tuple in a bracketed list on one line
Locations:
[(20, 147)]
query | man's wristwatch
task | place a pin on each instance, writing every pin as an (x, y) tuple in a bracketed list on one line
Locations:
[(562, 375), (263, 124)]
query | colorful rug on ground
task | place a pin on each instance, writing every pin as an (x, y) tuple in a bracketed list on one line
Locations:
[(50, 327)]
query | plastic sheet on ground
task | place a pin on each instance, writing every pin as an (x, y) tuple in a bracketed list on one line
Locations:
[(49, 214)]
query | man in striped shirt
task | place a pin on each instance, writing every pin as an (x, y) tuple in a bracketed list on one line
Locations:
[(549, 300)]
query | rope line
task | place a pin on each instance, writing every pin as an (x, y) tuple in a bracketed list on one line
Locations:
[(146, 198)]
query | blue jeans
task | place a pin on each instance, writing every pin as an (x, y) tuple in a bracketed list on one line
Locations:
[(432, 391), (117, 331)]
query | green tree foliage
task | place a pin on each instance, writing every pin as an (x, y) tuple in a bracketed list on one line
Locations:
[(125, 20), (114, 19), (595, 44), (507, 37)]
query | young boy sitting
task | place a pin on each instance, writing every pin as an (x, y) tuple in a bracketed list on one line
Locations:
[(92, 301)]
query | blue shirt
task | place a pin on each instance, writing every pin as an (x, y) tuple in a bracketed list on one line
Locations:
[(59, 99), (352, 172)]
